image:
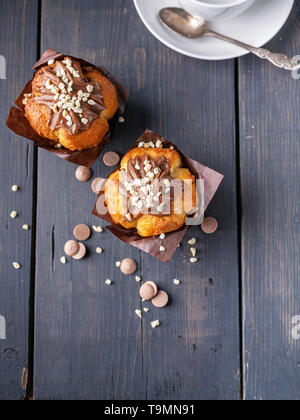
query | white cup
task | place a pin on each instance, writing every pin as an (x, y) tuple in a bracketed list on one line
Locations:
[(216, 10)]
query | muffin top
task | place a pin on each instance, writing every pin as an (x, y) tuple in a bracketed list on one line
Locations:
[(73, 99)]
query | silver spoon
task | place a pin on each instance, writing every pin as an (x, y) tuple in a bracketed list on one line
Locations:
[(195, 27)]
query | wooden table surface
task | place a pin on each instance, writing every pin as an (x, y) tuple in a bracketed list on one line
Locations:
[(227, 333)]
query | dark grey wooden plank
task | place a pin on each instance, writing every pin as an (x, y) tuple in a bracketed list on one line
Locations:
[(269, 146), (195, 353), (18, 31), (88, 338), (89, 343)]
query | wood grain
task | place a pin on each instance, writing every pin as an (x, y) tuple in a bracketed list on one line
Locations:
[(89, 343), (18, 35), (269, 160)]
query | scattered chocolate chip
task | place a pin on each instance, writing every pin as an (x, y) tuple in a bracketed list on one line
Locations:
[(147, 292), (81, 253), (154, 285), (155, 324), (161, 299), (15, 188), (97, 185), (14, 214), (63, 260), (138, 312), (16, 265), (83, 174), (128, 266), (209, 225), (111, 159), (82, 232), (71, 248)]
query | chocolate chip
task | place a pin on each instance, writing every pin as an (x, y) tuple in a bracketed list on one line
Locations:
[(128, 266), (71, 248), (98, 185), (161, 299), (209, 225), (83, 174), (81, 253), (155, 288), (82, 232), (111, 159), (147, 292)]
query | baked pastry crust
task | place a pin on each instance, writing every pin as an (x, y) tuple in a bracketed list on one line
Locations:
[(151, 224), (77, 136)]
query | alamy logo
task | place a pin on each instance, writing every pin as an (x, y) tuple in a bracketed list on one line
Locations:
[(2, 68), (296, 328), (2, 328)]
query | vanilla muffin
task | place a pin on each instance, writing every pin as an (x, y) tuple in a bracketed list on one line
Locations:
[(70, 104), (146, 192)]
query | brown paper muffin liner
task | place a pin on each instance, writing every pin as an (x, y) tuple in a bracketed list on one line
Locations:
[(151, 245), (19, 124)]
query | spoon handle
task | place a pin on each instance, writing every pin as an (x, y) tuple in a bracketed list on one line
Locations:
[(279, 60)]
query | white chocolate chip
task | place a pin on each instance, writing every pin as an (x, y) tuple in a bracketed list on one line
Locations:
[(158, 143), (194, 252), (138, 278), (63, 260), (15, 188), (138, 312), (128, 216), (193, 260), (50, 62), (13, 214), (118, 264), (108, 282), (162, 248), (90, 88), (176, 282), (26, 227), (98, 229), (99, 250), (91, 102), (16, 266), (162, 236), (192, 241), (155, 324), (84, 121), (121, 120), (146, 309)]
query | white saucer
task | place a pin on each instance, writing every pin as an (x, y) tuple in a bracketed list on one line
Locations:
[(257, 26)]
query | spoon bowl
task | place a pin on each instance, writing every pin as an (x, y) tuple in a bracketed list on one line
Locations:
[(182, 22)]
